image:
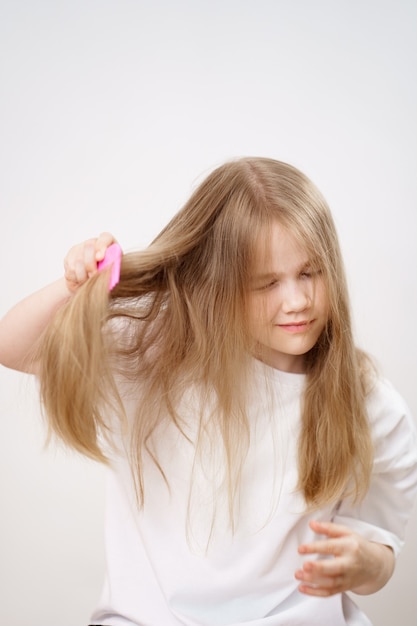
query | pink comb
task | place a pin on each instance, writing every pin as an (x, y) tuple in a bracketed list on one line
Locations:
[(112, 257)]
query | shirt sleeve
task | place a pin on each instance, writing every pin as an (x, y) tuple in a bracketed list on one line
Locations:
[(383, 514)]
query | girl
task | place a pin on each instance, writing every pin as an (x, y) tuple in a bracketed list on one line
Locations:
[(258, 467)]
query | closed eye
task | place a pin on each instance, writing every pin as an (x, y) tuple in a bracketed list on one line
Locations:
[(309, 273), (269, 285)]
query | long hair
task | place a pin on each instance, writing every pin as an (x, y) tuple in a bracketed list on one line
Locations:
[(181, 308)]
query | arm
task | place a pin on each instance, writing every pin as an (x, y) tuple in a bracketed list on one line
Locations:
[(358, 565), (368, 535), (22, 326)]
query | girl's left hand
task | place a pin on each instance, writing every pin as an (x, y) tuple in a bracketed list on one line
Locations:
[(357, 565), (82, 259)]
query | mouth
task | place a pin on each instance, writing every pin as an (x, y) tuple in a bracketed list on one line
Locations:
[(296, 327)]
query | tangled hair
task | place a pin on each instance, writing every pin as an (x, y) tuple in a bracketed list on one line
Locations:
[(182, 304)]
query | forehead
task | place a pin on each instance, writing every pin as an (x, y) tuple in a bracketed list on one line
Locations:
[(278, 250)]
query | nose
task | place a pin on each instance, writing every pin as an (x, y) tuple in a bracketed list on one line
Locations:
[(296, 297)]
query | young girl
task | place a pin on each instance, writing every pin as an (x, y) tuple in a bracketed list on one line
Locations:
[(258, 467)]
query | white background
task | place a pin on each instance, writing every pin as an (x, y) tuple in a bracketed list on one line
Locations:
[(110, 113)]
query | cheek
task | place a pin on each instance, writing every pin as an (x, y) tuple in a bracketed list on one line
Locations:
[(260, 309), (256, 315), (321, 299)]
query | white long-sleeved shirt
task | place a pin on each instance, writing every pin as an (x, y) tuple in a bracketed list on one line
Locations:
[(176, 562)]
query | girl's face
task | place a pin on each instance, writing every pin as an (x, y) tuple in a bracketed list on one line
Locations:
[(288, 303)]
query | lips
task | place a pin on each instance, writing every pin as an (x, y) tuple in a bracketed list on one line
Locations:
[(296, 327)]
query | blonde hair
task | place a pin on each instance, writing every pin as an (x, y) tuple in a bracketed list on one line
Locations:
[(183, 304)]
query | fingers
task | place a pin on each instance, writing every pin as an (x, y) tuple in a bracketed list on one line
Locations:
[(102, 242), (81, 261), (328, 547), (314, 571), (330, 529), (338, 537), (327, 576), (323, 577), (322, 588)]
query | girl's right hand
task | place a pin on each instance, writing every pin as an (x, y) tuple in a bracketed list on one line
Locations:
[(82, 259)]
